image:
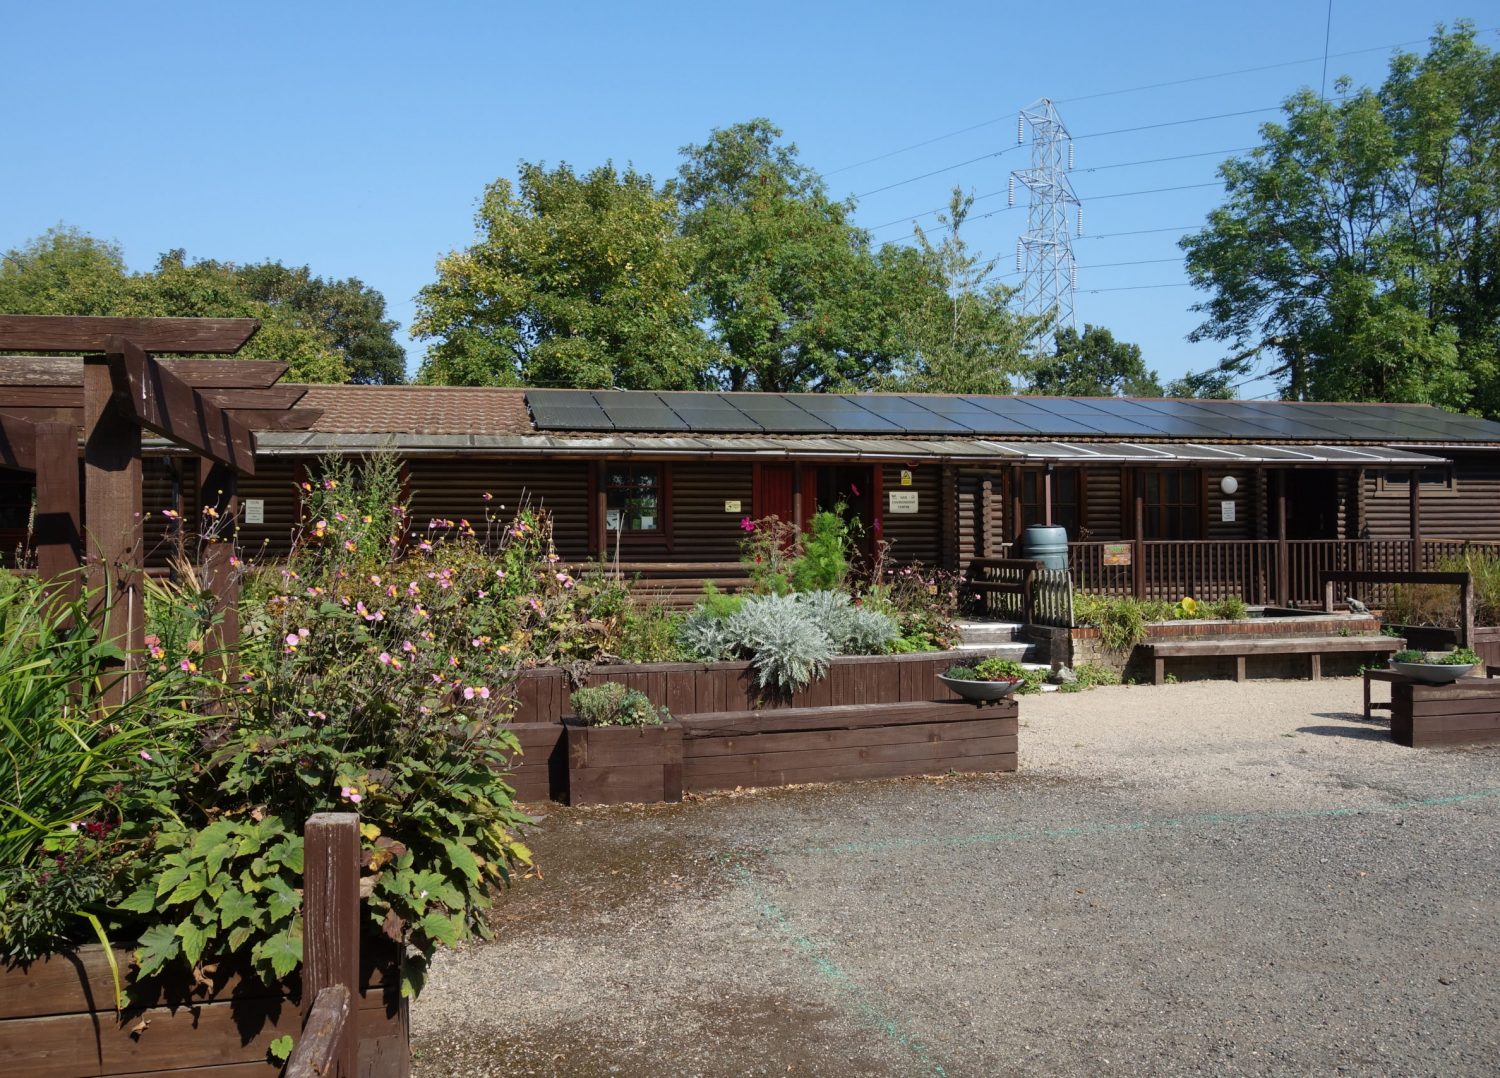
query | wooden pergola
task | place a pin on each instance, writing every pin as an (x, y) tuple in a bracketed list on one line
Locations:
[(102, 394)]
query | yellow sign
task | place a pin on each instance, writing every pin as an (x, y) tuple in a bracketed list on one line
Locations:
[(732, 506), (906, 477)]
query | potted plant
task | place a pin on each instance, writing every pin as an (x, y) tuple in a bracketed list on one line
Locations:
[(621, 748), (1434, 667), (986, 681)]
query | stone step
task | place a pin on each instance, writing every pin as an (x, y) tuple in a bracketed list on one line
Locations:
[(1018, 650)]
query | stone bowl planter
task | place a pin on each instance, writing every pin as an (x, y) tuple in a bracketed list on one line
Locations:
[(1432, 673), (980, 692)]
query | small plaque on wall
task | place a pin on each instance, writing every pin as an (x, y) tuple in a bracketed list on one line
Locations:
[(1226, 512), (903, 501), (732, 506), (906, 477), (1116, 553), (255, 510)]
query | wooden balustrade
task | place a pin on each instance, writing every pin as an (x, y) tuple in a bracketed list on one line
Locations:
[(1248, 568)]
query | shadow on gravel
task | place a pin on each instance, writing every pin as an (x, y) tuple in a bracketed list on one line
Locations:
[(1358, 733)]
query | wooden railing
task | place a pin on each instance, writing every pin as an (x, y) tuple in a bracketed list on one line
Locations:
[(329, 1044), (1002, 587), (1260, 571)]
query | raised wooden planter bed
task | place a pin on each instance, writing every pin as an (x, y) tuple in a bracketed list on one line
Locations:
[(613, 765), (701, 688), (1464, 713), (57, 1020), (834, 744)]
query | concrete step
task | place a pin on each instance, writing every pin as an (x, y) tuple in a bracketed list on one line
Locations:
[(1018, 650)]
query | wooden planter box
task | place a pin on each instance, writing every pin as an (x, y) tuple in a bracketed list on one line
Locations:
[(613, 765), (700, 688), (57, 1020), (1466, 712), (836, 744)]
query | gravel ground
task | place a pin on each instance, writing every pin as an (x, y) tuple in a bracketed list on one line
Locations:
[(1205, 878)]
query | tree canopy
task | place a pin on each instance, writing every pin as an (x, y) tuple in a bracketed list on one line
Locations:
[(1094, 364), (1356, 255), (327, 331), (577, 281), (741, 272)]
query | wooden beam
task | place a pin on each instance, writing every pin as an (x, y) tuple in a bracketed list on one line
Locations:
[(17, 443), (16, 371), (1414, 508), (277, 397), (272, 419), (1283, 556), (114, 537), (163, 403), (219, 511), (59, 539), (331, 920), (75, 333)]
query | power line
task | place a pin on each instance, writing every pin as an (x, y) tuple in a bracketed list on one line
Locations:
[(1093, 198), (1141, 232), (1176, 123), (1137, 287), (1160, 160), (936, 171), (1152, 191), (1135, 89)]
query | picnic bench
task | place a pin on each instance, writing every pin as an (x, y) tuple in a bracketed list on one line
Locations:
[(1314, 647)]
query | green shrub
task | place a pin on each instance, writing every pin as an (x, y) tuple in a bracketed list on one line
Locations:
[(1409, 655), (1121, 621), (787, 649), (962, 673), (1091, 675), (1459, 657), (1231, 608), (854, 630), (612, 704), (823, 563)]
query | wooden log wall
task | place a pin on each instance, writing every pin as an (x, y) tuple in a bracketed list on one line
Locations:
[(914, 536), (455, 489), (275, 484), (1466, 514)]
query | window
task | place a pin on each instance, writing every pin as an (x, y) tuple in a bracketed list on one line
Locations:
[(1066, 501), (1173, 500), (1437, 481), (632, 498)]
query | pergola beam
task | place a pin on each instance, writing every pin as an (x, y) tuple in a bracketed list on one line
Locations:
[(165, 404), (71, 333), (17, 443), (29, 371)]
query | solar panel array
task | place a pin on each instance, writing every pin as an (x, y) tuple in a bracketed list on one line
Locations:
[(895, 415)]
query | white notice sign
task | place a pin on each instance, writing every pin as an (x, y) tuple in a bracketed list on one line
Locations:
[(255, 510), (903, 501), (1226, 512)]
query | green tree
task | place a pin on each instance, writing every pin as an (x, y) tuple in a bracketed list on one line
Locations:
[(1094, 364), (578, 281), (957, 332), (1206, 385), (1356, 252), (795, 298), (327, 331)]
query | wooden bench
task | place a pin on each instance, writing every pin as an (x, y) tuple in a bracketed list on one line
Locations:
[(1314, 647)]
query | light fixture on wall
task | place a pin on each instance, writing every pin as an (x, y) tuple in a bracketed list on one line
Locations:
[(1229, 484)]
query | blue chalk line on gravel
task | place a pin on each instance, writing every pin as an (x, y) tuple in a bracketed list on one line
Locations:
[(832, 971), (1207, 819)]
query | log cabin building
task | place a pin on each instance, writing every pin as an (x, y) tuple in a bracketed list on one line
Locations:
[(1158, 497)]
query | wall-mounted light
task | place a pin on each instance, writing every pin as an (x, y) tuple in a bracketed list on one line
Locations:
[(1229, 484)]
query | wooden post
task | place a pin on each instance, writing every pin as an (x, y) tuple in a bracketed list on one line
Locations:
[(1283, 558), (1466, 612), (1414, 495), (114, 539), (797, 521), (1047, 495), (984, 539), (219, 511), (59, 543), (1138, 555), (948, 517), (330, 939)]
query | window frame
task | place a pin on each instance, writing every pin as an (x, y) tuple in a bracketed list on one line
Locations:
[(661, 534), (1386, 487), (1078, 505), (1153, 513)]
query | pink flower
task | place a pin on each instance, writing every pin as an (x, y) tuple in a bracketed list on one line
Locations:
[(292, 640), (144, 755), (854, 490), (407, 645), (746, 524), (469, 693), (484, 693), (487, 496), (385, 658)]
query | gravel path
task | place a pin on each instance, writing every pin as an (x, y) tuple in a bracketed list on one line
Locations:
[(1205, 878)]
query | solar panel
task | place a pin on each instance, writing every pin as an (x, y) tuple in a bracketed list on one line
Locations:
[(639, 412), (844, 414), (776, 414), (709, 412), (566, 409), (910, 416)]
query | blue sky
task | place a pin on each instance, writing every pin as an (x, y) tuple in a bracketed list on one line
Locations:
[(356, 138)]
